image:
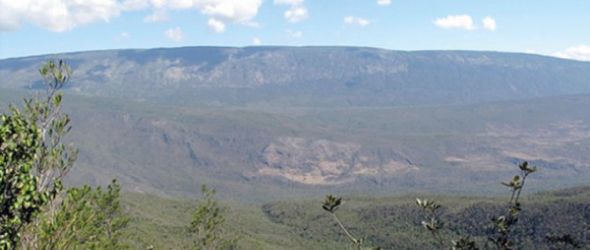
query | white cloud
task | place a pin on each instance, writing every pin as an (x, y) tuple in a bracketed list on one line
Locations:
[(133, 5), (356, 21), (288, 2), (175, 34), (55, 15), (295, 34), (216, 25), (580, 52), (489, 23), (296, 12), (383, 2), (455, 22), (158, 16), (256, 41), (64, 15), (239, 11)]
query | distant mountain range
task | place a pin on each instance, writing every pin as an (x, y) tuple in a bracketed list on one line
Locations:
[(309, 76), (263, 123)]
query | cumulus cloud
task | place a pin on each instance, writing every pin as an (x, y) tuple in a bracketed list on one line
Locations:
[(455, 22), (489, 23), (356, 21), (256, 41), (241, 11), (55, 15), (175, 34), (580, 52), (296, 12), (133, 5), (220, 12), (383, 2), (64, 15), (216, 25)]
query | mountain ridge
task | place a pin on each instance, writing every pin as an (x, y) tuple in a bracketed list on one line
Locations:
[(310, 76), (56, 55)]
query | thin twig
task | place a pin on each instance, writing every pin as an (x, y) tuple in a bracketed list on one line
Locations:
[(352, 238)]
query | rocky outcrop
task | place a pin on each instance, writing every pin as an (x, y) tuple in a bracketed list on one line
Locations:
[(324, 162)]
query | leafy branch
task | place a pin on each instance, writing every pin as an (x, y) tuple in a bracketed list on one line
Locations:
[(432, 223), (504, 224)]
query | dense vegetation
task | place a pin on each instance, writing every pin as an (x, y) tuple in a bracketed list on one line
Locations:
[(392, 222), (500, 235), (396, 223)]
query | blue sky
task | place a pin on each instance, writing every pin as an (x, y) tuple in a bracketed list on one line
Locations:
[(550, 27)]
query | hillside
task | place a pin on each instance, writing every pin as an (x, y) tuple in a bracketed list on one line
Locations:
[(309, 76), (270, 123)]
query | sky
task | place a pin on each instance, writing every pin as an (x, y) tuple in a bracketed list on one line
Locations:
[(549, 27)]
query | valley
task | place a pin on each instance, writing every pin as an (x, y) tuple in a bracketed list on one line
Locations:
[(258, 154)]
